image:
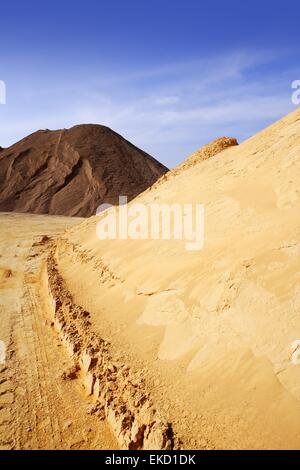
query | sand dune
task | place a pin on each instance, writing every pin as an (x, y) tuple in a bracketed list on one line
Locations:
[(72, 171), (208, 333)]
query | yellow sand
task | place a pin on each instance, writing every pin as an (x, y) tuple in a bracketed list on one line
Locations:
[(211, 331), (38, 409)]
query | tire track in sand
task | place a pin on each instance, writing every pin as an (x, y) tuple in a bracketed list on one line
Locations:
[(39, 409)]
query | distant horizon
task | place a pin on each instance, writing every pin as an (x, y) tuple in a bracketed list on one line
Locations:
[(167, 76), (104, 125)]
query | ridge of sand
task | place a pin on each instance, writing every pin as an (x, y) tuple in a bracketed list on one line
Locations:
[(72, 171), (119, 393), (42, 405), (211, 330)]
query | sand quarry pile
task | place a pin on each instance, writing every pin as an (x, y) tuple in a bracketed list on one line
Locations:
[(141, 344), (204, 153), (72, 171), (194, 349)]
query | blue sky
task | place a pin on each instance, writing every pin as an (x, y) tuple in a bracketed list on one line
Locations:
[(168, 75)]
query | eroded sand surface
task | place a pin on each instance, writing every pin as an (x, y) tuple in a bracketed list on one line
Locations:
[(72, 171), (40, 407), (210, 333)]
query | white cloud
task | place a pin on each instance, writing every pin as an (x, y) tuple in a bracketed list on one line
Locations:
[(166, 100), (167, 110)]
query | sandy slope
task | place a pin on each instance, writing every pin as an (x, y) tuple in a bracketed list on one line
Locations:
[(38, 409), (210, 332), (72, 171)]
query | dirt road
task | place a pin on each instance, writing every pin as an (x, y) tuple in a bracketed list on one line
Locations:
[(40, 408)]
